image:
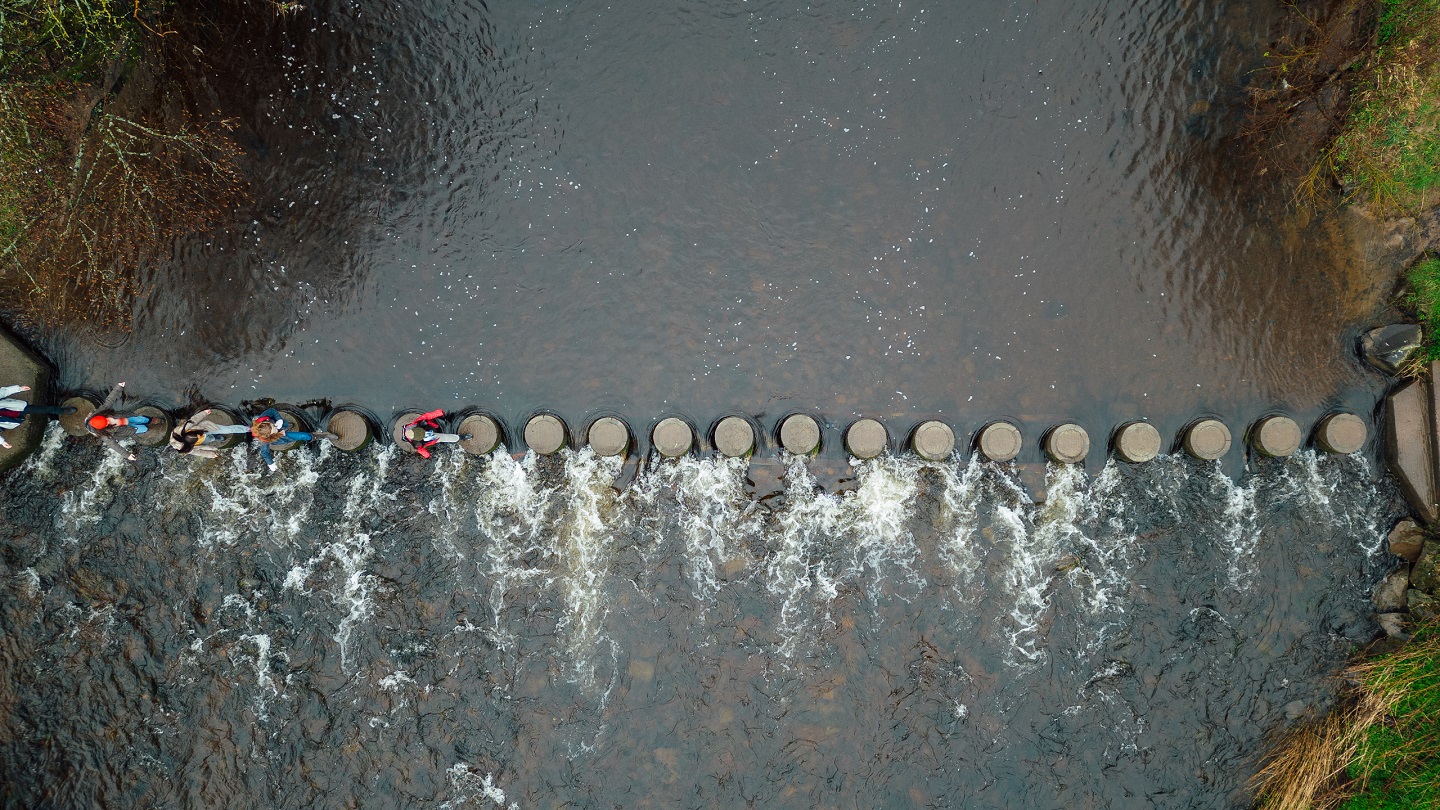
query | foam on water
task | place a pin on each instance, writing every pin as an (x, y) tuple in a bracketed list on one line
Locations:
[(41, 464), (1110, 550), (448, 506), (961, 503), (244, 500), (511, 511), (85, 506), (1033, 556), (875, 517), (468, 786), (795, 571), (584, 545), (716, 518)]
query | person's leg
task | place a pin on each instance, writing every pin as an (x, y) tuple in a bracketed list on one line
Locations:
[(297, 436), (52, 410), (445, 438), (225, 430), (137, 420)]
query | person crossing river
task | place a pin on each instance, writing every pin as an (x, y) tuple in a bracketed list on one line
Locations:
[(14, 411), (424, 432), (197, 431), (272, 433), (107, 423)]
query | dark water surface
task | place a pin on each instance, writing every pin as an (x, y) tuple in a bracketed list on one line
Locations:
[(969, 210), (378, 631)]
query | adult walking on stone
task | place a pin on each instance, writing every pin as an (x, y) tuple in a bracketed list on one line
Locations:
[(13, 411), (108, 422), (424, 432), (197, 431), (272, 433)]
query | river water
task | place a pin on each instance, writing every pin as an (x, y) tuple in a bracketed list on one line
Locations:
[(965, 211)]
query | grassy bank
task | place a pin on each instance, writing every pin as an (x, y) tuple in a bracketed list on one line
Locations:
[(105, 165), (1423, 300), (1388, 150), (1380, 748)]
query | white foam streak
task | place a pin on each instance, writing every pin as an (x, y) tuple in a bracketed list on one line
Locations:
[(84, 507), (583, 551), (792, 572)]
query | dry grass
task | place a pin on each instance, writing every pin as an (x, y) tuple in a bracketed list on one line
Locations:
[(1379, 748)]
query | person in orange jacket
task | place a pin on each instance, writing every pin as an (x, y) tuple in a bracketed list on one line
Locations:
[(424, 432)]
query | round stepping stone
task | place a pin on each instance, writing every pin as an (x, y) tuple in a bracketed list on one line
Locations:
[(800, 434), (484, 434), (608, 436), (734, 437), (672, 437), (223, 416), (1207, 439), (1342, 433), (74, 423), (866, 439), (1068, 444), (1137, 443), (1000, 441), (933, 441), (545, 434), (158, 428), (295, 419), (1276, 436), (351, 428), (397, 430)]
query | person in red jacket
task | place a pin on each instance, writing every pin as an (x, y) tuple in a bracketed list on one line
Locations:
[(424, 432)]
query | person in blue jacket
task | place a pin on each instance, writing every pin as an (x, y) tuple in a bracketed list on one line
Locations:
[(272, 433)]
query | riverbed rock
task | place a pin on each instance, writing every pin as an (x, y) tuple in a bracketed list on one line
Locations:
[(1389, 595), (1423, 607), (20, 366), (1425, 574), (1392, 623), (1409, 447), (1389, 347), (1406, 540)]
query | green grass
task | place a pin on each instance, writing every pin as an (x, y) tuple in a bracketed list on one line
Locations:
[(1388, 151), (1424, 299), (1397, 762)]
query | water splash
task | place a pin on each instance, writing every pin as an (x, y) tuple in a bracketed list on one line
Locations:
[(795, 572), (85, 506), (584, 544), (716, 518)]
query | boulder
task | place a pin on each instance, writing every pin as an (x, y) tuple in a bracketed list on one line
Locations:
[(1425, 574), (1406, 540), (1389, 595), (1392, 623), (1423, 608), (1389, 347)]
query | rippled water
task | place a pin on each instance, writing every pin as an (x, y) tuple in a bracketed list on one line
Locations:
[(897, 210), (376, 630)]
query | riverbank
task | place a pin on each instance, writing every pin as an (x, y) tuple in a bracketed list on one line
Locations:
[(1352, 115), (107, 161)]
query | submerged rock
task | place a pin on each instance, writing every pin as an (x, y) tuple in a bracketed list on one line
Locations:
[(1423, 608), (1389, 347), (1406, 540), (1389, 595), (1426, 573)]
